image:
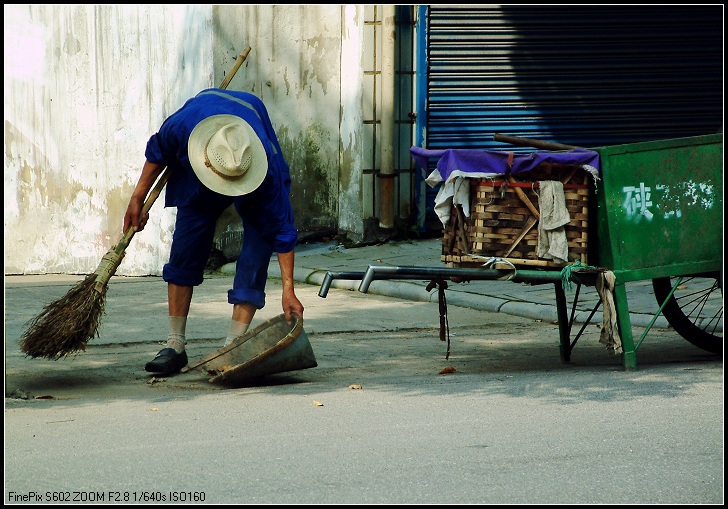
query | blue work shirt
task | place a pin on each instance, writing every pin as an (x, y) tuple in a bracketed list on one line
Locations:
[(268, 208)]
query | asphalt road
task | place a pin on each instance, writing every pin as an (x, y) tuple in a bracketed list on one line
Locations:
[(376, 422)]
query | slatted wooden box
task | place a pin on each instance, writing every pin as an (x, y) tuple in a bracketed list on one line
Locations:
[(503, 226)]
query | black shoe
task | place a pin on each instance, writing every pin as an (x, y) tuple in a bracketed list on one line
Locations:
[(167, 361)]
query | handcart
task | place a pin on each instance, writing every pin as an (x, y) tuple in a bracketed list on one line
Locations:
[(653, 211)]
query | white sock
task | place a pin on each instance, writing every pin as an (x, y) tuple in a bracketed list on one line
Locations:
[(176, 338), (237, 329)]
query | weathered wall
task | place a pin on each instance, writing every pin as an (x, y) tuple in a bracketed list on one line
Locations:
[(351, 138), (86, 85), (295, 67)]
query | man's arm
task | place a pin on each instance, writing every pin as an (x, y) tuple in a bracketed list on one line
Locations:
[(291, 304), (149, 175)]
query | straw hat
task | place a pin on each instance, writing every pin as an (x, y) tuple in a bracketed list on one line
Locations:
[(226, 155)]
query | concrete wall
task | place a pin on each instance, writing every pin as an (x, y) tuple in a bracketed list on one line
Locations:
[(86, 85), (295, 68)]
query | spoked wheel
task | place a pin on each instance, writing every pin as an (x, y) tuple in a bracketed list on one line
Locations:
[(695, 310)]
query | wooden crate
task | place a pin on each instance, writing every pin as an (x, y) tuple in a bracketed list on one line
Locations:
[(502, 225)]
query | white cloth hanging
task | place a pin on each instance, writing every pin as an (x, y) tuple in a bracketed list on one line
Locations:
[(609, 335), (552, 241)]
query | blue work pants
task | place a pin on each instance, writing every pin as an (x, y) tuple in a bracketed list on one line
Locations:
[(192, 243)]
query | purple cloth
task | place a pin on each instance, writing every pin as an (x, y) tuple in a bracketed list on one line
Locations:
[(492, 161)]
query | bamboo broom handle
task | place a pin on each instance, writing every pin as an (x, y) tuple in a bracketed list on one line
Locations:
[(151, 198), (112, 259), (238, 62)]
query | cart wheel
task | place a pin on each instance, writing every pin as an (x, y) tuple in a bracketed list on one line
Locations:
[(695, 310)]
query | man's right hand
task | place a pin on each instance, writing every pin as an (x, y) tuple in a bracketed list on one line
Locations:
[(133, 215)]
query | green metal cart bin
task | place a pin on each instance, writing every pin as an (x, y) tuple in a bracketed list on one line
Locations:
[(659, 217)]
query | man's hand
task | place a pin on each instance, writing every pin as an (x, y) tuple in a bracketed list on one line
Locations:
[(292, 306), (133, 215)]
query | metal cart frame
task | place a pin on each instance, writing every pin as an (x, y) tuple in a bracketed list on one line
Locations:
[(658, 216)]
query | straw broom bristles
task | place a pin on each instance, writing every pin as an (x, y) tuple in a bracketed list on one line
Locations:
[(66, 325)]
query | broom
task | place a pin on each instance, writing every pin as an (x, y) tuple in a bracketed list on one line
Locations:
[(67, 324)]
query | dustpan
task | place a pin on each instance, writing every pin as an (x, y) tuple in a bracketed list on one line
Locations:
[(275, 346)]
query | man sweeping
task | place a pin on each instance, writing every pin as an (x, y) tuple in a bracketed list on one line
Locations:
[(223, 150)]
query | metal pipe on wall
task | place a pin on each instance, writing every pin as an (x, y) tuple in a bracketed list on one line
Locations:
[(386, 118)]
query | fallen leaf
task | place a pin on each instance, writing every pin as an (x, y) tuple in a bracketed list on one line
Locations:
[(447, 370), (355, 386), (317, 403), (154, 409)]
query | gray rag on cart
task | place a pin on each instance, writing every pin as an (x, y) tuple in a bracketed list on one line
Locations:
[(552, 241), (609, 336)]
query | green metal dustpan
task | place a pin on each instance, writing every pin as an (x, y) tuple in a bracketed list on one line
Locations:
[(272, 347)]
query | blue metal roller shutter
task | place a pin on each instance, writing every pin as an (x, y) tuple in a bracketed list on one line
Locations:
[(581, 75)]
